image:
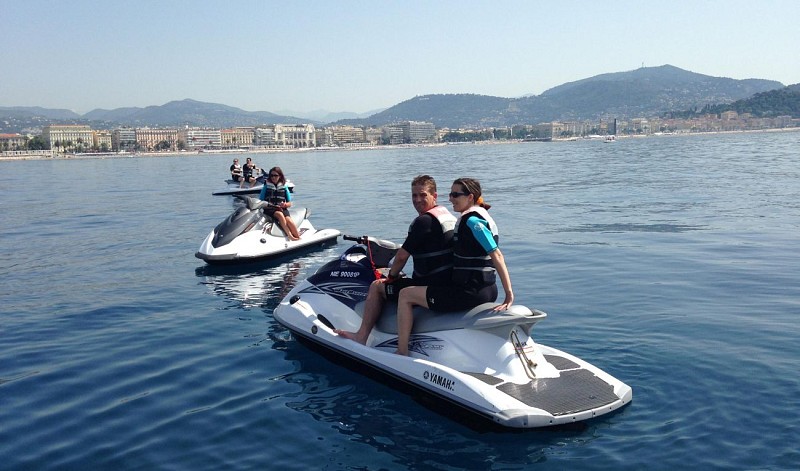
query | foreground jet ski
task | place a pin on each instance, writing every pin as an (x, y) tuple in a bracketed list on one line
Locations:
[(249, 235), (483, 361)]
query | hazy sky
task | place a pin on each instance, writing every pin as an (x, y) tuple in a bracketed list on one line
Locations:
[(359, 56)]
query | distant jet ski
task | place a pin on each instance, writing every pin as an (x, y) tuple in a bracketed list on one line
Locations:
[(234, 189), (483, 361)]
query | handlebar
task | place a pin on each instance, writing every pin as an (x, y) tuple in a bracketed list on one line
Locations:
[(359, 239)]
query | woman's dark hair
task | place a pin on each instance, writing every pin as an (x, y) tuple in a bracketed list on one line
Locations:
[(473, 187), (282, 179)]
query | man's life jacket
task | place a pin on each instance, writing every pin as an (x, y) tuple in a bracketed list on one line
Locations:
[(440, 257)]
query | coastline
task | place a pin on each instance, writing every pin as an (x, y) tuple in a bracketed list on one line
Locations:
[(194, 153)]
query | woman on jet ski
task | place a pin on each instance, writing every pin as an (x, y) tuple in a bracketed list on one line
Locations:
[(477, 262), (279, 197)]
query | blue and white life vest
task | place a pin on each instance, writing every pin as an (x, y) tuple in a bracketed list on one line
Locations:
[(274, 194), (472, 266)]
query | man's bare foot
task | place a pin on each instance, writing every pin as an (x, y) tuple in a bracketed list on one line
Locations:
[(351, 335)]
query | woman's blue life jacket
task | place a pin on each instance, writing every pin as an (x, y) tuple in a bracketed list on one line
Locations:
[(472, 265), (275, 194)]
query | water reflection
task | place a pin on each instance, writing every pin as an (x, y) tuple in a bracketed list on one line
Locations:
[(252, 288), (262, 284)]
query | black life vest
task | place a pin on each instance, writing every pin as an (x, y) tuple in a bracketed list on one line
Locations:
[(438, 258), (248, 170), (472, 266)]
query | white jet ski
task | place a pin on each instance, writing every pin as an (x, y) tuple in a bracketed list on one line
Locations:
[(483, 361), (249, 235), (234, 189)]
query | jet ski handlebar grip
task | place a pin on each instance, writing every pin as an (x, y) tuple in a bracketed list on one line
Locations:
[(360, 240)]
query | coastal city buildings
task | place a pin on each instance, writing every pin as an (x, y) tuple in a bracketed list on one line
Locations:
[(15, 142), (123, 139), (241, 137), (150, 139), (61, 137), (74, 138)]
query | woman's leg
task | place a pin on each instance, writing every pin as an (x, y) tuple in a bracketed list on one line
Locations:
[(282, 222), (409, 297), (292, 227)]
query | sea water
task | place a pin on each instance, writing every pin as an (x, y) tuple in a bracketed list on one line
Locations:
[(671, 262)]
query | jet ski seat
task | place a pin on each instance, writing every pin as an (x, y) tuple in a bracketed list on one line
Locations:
[(480, 317), (297, 214)]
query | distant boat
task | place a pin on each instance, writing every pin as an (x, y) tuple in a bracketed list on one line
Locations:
[(610, 138), (538, 139)]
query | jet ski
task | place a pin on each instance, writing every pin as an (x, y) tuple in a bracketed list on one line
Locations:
[(249, 235), (234, 189), (483, 361)]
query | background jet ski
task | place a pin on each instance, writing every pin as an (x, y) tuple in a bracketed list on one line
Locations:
[(249, 235), (484, 361), (234, 188)]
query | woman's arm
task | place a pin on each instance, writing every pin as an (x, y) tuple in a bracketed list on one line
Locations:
[(288, 202), (500, 265)]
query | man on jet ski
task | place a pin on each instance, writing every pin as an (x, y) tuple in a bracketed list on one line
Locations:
[(429, 241), (249, 173)]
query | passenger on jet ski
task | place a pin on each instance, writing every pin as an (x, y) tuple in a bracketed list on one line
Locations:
[(277, 194), (236, 171), (429, 241), (476, 262)]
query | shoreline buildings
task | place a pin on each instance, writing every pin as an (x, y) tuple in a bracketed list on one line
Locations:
[(64, 138)]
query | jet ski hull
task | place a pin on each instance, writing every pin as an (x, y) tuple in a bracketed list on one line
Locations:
[(257, 248), (481, 360), (247, 235), (476, 369)]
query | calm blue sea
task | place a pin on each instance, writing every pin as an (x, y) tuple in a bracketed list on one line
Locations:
[(671, 262)]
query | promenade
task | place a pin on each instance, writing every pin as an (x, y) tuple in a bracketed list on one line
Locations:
[(49, 154)]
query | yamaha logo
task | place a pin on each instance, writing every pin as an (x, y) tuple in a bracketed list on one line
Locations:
[(439, 380)]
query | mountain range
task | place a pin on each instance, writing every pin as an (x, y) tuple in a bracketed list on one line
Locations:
[(647, 91)]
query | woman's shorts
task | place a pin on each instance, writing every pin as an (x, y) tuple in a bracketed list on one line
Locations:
[(457, 298), (272, 210)]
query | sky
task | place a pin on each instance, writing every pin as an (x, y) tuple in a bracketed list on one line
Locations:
[(361, 56)]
